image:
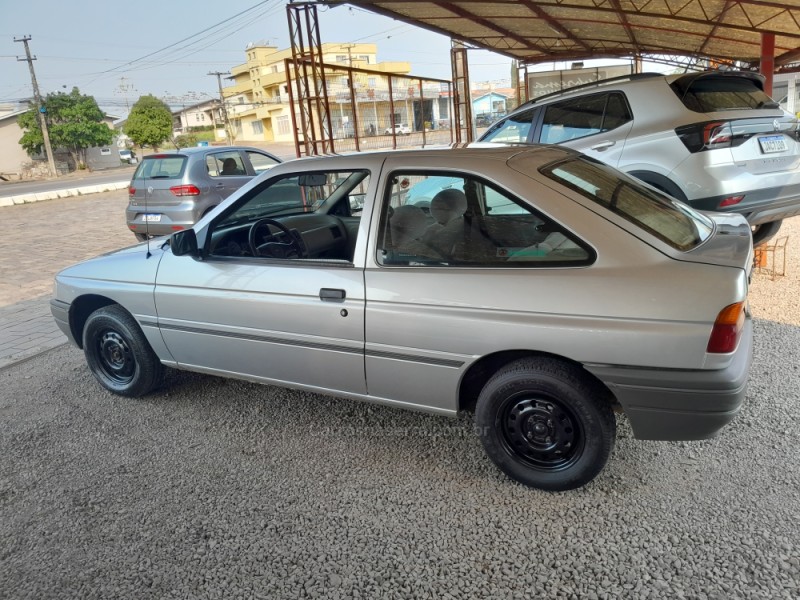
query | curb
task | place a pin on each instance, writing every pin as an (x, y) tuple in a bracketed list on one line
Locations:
[(65, 193)]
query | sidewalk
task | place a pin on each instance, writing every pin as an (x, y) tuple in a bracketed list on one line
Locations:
[(38, 240), (26, 329)]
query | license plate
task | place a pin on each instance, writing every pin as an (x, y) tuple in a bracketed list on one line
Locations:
[(152, 218), (772, 143)]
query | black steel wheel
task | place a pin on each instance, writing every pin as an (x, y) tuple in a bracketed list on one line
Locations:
[(546, 424), (118, 354)]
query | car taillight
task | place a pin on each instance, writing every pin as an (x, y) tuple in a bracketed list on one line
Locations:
[(185, 190), (730, 201), (727, 329), (131, 191), (708, 136)]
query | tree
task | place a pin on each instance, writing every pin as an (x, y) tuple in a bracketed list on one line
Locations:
[(75, 123), (149, 122)]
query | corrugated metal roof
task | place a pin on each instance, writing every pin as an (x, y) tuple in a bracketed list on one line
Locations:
[(555, 30)]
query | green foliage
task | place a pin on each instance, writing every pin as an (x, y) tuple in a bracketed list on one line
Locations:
[(74, 121), (149, 122), (187, 140)]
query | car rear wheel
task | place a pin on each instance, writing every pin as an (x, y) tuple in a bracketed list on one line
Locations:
[(118, 354), (142, 237), (765, 232), (545, 424)]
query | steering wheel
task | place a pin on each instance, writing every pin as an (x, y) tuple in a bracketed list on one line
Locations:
[(272, 246)]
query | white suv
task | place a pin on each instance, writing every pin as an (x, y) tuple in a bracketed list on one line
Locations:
[(712, 139)]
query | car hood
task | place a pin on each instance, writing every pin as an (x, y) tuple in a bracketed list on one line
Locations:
[(127, 265)]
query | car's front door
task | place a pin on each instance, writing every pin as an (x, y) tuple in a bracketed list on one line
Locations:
[(286, 320)]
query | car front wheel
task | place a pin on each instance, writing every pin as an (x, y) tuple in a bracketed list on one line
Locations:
[(118, 354), (545, 424)]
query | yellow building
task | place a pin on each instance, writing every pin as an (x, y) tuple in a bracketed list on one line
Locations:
[(258, 101)]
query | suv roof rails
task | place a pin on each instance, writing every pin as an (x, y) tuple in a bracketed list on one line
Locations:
[(631, 77)]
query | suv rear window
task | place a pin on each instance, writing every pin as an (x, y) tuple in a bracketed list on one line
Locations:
[(714, 93), (669, 220), (161, 167)]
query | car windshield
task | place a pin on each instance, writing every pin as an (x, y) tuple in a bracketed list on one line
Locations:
[(711, 94), (668, 219), (165, 166)]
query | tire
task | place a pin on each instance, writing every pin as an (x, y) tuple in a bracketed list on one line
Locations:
[(765, 232), (118, 354), (545, 424), (141, 237)]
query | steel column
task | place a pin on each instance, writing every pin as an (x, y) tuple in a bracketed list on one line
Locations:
[(767, 66)]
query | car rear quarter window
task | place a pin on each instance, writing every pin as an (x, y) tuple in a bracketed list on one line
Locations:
[(452, 220), (670, 220), (261, 162), (161, 167), (718, 93)]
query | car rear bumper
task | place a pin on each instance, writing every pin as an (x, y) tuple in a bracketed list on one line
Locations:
[(171, 219), (758, 206), (681, 404)]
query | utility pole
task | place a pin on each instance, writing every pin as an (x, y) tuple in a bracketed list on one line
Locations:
[(228, 134), (349, 48), (39, 106)]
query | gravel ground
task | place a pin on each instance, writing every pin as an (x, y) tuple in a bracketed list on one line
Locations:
[(222, 489)]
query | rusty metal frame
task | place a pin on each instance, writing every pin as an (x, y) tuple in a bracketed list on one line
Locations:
[(462, 98), (312, 93)]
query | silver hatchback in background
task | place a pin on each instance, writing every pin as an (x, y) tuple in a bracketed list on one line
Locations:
[(171, 191)]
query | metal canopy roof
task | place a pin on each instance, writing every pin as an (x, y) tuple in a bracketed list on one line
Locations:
[(555, 30)]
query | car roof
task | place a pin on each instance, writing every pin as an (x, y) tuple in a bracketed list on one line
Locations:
[(202, 150), (636, 79), (484, 150)]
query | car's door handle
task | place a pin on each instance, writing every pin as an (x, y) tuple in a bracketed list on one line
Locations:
[(331, 295), (603, 145)]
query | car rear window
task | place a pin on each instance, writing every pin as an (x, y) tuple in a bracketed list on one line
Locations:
[(711, 94), (668, 219), (161, 167)]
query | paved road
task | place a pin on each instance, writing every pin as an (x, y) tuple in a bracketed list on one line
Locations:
[(38, 240)]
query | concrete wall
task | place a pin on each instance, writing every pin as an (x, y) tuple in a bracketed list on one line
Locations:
[(12, 156)]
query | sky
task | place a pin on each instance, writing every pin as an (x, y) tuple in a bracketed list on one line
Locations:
[(119, 51)]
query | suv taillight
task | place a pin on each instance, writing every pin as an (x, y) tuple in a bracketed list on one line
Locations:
[(131, 191), (727, 329), (185, 190), (709, 136)]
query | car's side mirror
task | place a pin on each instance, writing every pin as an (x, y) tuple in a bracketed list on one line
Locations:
[(184, 242)]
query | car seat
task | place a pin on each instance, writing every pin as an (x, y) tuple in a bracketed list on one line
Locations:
[(407, 225), (446, 206)]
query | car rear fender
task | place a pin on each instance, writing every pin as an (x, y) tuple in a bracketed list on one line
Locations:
[(661, 182)]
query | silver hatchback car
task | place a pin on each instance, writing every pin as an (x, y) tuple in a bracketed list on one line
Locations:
[(170, 191), (540, 288)]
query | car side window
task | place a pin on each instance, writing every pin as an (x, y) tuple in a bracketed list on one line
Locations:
[(514, 129), (225, 164), (617, 112), (261, 162), (572, 119), (461, 220), (291, 216)]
